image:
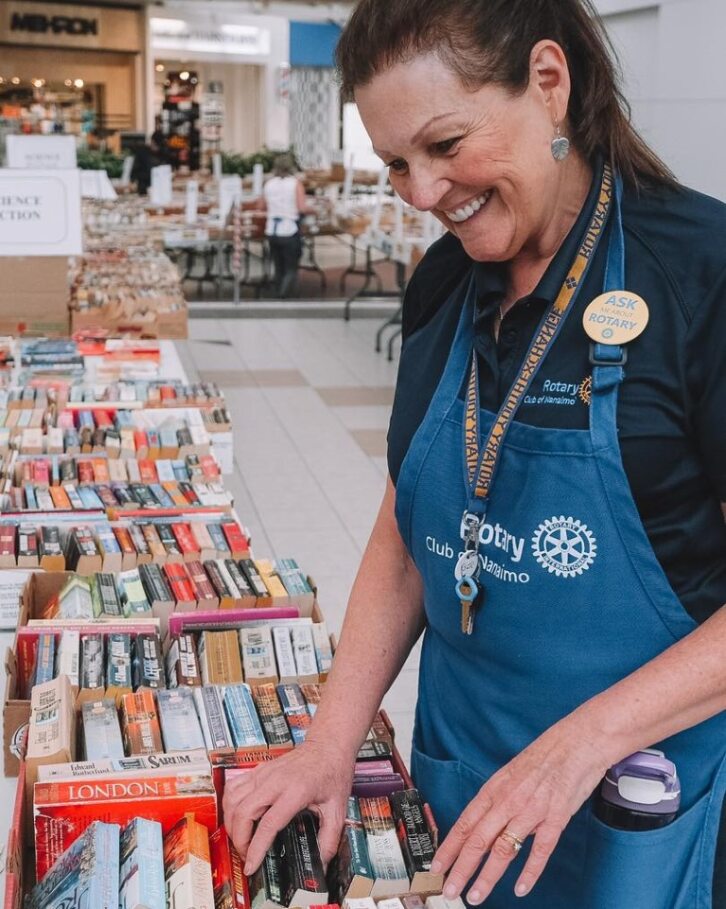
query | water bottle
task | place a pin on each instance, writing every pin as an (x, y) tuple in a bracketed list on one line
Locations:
[(641, 792)]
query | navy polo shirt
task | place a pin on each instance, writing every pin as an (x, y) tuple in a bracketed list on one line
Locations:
[(672, 402)]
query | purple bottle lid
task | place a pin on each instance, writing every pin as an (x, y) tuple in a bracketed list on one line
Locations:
[(645, 781)]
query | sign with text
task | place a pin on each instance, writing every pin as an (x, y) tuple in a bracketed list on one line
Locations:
[(230, 191), (208, 38), (40, 213), (160, 191), (96, 185), (68, 25), (41, 152)]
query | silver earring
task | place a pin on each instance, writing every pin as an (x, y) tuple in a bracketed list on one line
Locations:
[(560, 144)]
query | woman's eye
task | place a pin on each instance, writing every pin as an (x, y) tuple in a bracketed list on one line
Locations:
[(441, 148), (398, 166)]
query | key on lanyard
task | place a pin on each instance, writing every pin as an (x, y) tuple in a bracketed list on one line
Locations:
[(467, 590)]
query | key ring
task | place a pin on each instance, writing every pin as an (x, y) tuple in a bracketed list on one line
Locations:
[(473, 589)]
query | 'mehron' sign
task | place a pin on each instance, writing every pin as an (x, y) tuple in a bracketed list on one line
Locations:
[(37, 23)]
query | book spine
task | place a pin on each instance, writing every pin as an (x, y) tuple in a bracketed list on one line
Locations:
[(242, 717), (271, 716), (179, 721)]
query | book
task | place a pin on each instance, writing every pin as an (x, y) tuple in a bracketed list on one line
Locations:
[(63, 809), (231, 890), (101, 732), (384, 849), (413, 833), (142, 883), (86, 874), (242, 717), (271, 716), (187, 866), (140, 721), (210, 710), (180, 725), (301, 866)]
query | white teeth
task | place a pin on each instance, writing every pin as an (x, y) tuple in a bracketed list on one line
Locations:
[(466, 211)]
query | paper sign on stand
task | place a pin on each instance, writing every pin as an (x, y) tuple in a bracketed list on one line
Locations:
[(380, 187), (348, 183), (258, 180), (192, 202), (128, 166), (230, 190), (40, 213), (41, 152), (96, 185), (217, 166), (160, 190)]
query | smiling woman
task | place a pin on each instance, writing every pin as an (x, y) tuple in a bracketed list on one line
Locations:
[(543, 500)]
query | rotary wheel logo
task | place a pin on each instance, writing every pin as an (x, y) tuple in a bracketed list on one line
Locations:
[(585, 390), (564, 546)]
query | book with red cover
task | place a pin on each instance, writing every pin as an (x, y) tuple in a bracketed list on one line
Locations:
[(231, 888), (237, 541), (186, 541), (62, 809)]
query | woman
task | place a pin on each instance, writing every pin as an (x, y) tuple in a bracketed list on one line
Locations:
[(581, 497), (284, 201)]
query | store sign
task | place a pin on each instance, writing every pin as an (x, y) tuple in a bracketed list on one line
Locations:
[(40, 213), (41, 152), (43, 24), (58, 25), (233, 40)]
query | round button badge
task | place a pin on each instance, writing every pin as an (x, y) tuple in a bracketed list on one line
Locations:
[(616, 317)]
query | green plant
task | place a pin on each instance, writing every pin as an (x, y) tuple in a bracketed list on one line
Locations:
[(235, 163), (89, 159)]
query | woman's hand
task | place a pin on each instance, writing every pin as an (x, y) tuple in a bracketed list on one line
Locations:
[(534, 794), (312, 776)]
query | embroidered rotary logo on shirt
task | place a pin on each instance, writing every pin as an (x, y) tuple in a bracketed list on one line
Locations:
[(564, 546)]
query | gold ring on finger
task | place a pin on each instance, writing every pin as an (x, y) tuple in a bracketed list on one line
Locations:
[(514, 841)]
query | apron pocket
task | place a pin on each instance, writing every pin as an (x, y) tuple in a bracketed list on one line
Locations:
[(447, 786), (627, 869)]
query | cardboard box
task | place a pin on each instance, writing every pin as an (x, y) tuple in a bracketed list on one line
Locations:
[(34, 296), (16, 708)]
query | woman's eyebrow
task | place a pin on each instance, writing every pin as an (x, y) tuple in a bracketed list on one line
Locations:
[(382, 153)]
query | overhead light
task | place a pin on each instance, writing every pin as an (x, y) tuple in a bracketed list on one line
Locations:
[(160, 67), (68, 83), (78, 83), (2, 80), (15, 80), (38, 83), (184, 76)]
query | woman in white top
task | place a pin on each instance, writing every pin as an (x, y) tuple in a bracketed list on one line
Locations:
[(284, 201)]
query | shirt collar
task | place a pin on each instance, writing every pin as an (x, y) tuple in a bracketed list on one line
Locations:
[(491, 277)]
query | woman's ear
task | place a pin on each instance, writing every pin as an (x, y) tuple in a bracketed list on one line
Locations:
[(549, 75)]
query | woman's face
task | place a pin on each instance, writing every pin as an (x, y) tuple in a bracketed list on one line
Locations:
[(480, 160)]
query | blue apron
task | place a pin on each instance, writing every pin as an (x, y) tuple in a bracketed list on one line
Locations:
[(575, 601)]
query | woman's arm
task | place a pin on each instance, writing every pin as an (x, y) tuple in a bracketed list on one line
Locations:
[(539, 791), (383, 620)]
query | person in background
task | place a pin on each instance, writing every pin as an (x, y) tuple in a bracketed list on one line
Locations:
[(284, 201), (145, 158)]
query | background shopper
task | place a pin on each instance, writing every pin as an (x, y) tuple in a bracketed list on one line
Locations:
[(285, 203), (598, 538)]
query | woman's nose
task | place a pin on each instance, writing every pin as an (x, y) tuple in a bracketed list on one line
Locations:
[(425, 189)]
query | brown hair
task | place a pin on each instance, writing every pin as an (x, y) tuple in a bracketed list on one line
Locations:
[(283, 165), (490, 41)]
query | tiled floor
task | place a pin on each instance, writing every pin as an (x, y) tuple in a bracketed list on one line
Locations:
[(310, 402)]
